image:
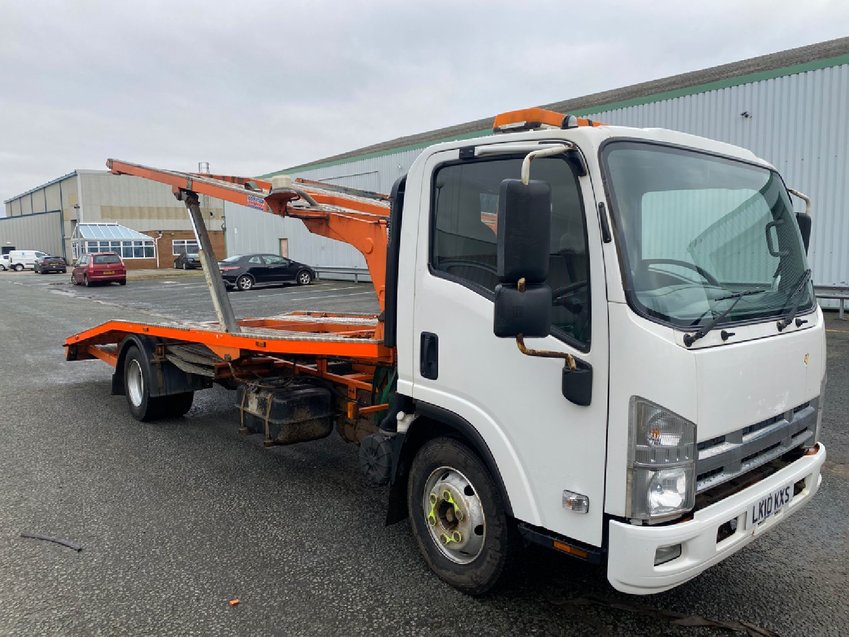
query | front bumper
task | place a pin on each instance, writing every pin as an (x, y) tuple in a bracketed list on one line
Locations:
[(632, 549)]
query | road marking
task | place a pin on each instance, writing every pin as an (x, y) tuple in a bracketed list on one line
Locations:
[(321, 298), (838, 331)]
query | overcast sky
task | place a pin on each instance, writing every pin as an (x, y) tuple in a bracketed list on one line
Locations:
[(254, 86)]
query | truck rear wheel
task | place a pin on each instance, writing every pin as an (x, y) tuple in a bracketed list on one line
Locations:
[(142, 405), (458, 517), (176, 405)]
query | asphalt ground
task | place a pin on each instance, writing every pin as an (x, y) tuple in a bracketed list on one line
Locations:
[(177, 518)]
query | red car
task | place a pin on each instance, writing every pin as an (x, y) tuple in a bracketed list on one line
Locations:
[(99, 267)]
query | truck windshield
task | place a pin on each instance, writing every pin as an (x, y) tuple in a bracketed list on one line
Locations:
[(695, 228)]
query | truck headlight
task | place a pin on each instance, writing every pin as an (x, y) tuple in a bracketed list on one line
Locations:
[(661, 463)]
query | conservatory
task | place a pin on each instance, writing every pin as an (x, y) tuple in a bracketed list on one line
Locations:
[(112, 237)]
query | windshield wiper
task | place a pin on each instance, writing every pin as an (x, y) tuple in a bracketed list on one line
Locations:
[(689, 339), (788, 318)]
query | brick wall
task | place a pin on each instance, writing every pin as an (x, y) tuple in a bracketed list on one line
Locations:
[(164, 247)]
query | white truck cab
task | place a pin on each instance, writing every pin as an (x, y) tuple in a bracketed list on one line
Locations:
[(629, 339)]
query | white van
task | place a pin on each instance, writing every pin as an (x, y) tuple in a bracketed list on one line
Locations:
[(5, 262), (24, 259)]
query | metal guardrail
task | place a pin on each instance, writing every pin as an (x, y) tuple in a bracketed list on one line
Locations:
[(836, 292), (356, 273)]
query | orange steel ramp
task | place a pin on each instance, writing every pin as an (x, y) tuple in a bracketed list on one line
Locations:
[(312, 334), (358, 218)]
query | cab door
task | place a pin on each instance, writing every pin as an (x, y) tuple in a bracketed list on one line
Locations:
[(543, 444)]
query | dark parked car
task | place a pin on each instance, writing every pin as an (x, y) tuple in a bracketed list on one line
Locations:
[(187, 261), (245, 271), (47, 263), (99, 267)]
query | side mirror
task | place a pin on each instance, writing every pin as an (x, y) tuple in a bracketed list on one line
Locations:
[(522, 299), (522, 312), (803, 220)]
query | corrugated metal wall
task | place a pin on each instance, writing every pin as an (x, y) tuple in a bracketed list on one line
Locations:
[(138, 203), (796, 122), (58, 195), (376, 174), (40, 231), (249, 231)]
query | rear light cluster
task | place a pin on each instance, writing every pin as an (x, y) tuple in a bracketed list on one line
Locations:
[(228, 268)]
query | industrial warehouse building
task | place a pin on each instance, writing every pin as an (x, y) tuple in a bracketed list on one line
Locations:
[(94, 210), (789, 108)]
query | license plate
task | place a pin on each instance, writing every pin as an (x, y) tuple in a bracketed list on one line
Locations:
[(109, 272), (768, 506)]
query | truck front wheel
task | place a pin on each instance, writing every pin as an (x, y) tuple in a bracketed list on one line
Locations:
[(142, 405), (458, 517)]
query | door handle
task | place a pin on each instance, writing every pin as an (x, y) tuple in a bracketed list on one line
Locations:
[(429, 362)]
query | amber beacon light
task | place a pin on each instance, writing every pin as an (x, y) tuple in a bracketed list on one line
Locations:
[(532, 118)]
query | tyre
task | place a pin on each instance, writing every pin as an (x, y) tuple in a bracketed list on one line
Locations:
[(73, 282), (86, 282), (122, 282), (244, 282), (142, 405), (137, 386), (18, 267), (176, 405), (458, 517), (304, 278)]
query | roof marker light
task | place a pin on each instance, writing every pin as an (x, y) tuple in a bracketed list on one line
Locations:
[(533, 118)]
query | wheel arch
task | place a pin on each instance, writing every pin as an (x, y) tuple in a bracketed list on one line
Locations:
[(146, 345), (435, 422), (168, 378)]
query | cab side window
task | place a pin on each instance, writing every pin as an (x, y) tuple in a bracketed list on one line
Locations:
[(463, 235)]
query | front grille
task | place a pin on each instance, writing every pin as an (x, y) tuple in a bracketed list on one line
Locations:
[(727, 457)]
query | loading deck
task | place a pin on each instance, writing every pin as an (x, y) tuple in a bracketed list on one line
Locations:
[(318, 334)]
